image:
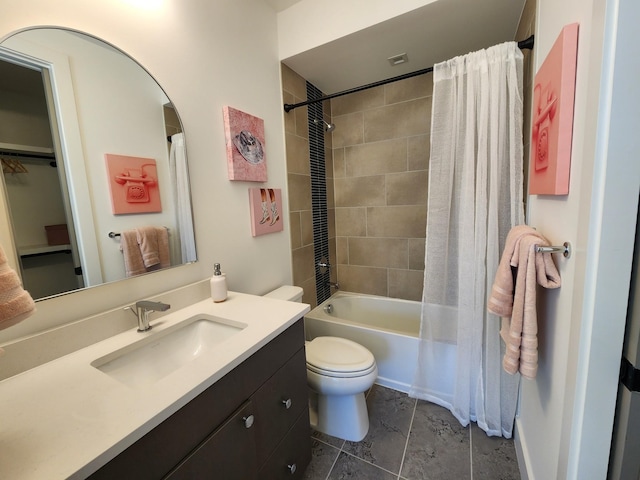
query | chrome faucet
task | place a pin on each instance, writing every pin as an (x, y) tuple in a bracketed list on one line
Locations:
[(335, 285), (144, 308)]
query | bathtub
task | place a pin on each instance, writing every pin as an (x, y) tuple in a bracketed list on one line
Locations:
[(390, 329)]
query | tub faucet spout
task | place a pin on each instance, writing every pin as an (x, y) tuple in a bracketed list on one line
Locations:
[(144, 308)]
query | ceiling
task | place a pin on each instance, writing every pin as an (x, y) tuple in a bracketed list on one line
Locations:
[(430, 34)]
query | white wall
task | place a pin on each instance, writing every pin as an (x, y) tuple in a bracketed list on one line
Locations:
[(309, 23), (566, 413), (205, 55)]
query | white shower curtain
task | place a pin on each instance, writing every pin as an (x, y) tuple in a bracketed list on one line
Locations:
[(180, 177), (475, 197)]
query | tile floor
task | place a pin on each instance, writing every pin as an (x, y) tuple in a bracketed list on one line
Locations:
[(413, 440)]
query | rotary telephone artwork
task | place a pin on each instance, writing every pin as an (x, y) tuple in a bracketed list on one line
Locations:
[(544, 113), (137, 183), (133, 183)]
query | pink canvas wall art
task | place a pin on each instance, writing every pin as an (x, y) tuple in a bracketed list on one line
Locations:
[(266, 210), (133, 183), (244, 139), (552, 117)]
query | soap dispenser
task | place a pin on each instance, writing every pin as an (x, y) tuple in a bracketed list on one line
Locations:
[(218, 284)]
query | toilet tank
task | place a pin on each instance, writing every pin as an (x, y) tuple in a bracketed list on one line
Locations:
[(287, 292)]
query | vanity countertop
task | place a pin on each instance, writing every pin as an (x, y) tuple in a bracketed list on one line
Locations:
[(65, 418)]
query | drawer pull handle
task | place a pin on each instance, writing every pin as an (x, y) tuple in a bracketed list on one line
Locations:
[(292, 468), (287, 403), (248, 421)]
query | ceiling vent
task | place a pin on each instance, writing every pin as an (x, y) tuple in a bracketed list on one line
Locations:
[(398, 59)]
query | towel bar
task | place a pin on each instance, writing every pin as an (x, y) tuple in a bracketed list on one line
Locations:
[(115, 234), (565, 249)]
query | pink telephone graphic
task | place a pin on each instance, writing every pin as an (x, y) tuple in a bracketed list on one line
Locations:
[(545, 111), (137, 183)]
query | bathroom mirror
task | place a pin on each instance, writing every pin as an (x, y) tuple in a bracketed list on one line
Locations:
[(69, 104)]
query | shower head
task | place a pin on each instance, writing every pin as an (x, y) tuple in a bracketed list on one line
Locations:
[(328, 127)]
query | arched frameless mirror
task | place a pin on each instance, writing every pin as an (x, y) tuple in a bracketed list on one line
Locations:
[(69, 104)]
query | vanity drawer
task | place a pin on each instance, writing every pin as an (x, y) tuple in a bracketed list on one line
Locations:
[(279, 403), (292, 455)]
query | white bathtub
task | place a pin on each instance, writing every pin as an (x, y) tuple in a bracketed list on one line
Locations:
[(390, 329)]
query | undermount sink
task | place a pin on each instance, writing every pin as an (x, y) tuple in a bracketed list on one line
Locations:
[(159, 354)]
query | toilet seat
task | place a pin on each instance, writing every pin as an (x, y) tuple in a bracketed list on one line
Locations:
[(339, 357)]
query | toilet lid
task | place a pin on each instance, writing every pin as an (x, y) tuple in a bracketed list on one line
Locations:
[(338, 355)]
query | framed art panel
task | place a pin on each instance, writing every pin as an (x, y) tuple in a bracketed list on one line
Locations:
[(552, 118), (133, 184), (266, 210), (244, 140)]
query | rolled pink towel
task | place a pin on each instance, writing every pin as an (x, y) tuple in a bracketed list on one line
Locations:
[(16, 303)]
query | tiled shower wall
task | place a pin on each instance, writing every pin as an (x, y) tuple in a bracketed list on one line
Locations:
[(299, 183), (380, 154), (378, 196), (526, 28)]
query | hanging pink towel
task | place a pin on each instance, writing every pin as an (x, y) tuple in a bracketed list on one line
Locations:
[(16, 303), (516, 304)]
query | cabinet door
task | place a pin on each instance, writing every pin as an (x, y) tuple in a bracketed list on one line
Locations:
[(293, 454), (228, 453), (279, 403)]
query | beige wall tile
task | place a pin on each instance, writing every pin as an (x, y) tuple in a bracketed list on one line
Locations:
[(418, 151), (293, 83), (351, 222), (407, 284), (359, 191), (356, 102), (303, 264), (409, 89), (302, 121), (398, 120), (379, 252), (348, 131), (297, 154), (401, 221), (331, 218), (339, 164), (416, 253), (408, 188), (309, 296), (296, 231), (376, 158), (342, 251), (331, 202), (299, 191), (368, 280), (289, 119), (306, 227)]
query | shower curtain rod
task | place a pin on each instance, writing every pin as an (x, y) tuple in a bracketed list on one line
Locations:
[(526, 44)]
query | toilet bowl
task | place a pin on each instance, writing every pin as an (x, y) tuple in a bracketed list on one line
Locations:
[(339, 372)]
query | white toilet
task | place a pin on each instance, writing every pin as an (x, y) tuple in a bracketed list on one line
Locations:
[(339, 371)]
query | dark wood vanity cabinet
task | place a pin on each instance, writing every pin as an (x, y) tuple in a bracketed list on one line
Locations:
[(253, 423)]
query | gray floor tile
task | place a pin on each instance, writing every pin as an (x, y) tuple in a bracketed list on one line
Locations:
[(323, 457), (438, 446), (323, 437), (493, 458), (352, 468), (390, 414)]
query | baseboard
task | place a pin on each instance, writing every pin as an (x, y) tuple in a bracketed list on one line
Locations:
[(522, 452)]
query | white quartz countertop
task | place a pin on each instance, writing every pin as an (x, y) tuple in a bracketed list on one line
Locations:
[(65, 418)]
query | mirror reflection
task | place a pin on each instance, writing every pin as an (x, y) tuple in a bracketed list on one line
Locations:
[(94, 164)]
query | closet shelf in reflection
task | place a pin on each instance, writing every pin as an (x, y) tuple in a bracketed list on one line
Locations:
[(33, 250)]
